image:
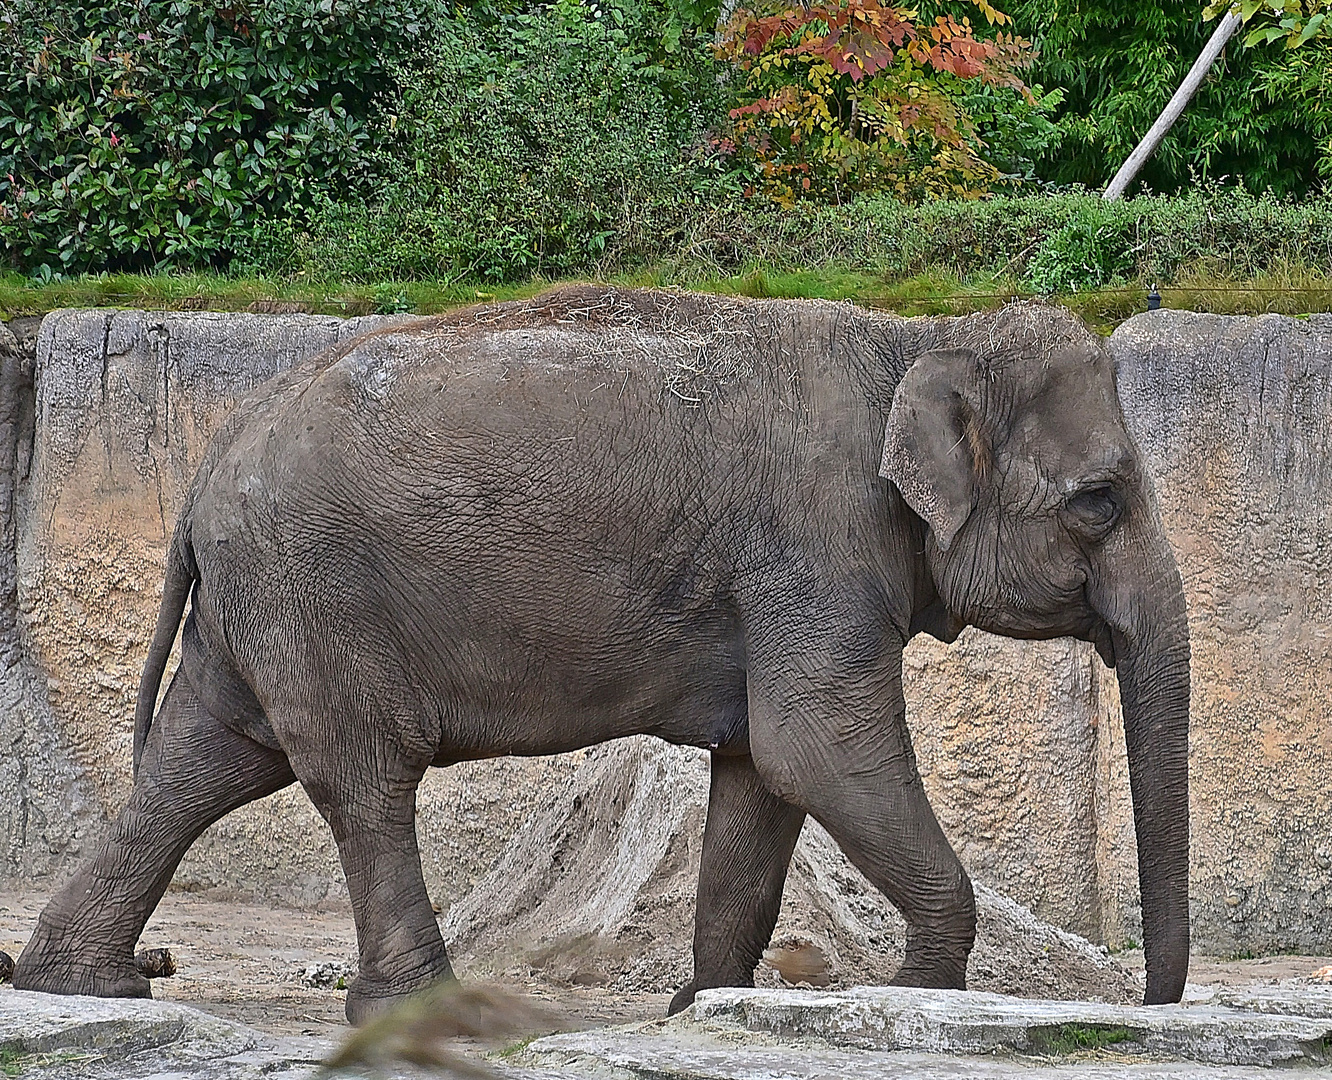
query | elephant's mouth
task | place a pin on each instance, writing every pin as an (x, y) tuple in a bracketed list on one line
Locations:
[(1103, 638)]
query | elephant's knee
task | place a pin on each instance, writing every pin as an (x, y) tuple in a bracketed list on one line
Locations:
[(950, 910)]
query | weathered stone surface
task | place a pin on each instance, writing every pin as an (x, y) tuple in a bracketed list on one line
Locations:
[(598, 887), (932, 1035), (722, 1038), (50, 1037), (1287, 999), (43, 800), (32, 1023), (124, 402), (1006, 736), (961, 1022), (647, 1054), (1235, 418)]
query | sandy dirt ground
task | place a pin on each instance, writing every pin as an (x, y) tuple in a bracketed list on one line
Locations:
[(243, 961)]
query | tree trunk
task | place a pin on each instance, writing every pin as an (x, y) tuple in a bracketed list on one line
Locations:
[(1174, 108)]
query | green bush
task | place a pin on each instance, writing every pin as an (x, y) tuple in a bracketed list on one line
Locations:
[(517, 144), (135, 133), (1081, 255), (1072, 241), (1051, 243)]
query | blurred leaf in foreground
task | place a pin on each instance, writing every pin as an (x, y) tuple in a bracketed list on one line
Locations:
[(416, 1030)]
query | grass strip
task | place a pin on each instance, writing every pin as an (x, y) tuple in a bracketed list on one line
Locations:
[(1288, 291), (1062, 1040)]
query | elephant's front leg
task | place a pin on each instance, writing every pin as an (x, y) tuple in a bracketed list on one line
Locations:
[(831, 736), (747, 845), (369, 802)]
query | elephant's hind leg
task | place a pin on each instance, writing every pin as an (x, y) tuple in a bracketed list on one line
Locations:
[(194, 771), (368, 799), (747, 845)]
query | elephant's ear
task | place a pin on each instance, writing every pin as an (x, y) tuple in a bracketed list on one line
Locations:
[(934, 446)]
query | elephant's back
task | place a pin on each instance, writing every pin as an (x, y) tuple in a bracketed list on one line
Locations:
[(577, 377), (558, 417), (681, 346), (504, 414)]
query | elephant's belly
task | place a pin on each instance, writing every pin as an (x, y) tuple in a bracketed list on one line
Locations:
[(516, 648), (691, 693)]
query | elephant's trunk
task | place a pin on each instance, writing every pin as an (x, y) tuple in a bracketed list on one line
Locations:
[(1150, 635)]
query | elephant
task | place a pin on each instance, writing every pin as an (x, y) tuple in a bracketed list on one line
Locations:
[(534, 526)]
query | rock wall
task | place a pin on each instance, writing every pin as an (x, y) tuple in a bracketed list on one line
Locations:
[(1235, 416), (1020, 743)]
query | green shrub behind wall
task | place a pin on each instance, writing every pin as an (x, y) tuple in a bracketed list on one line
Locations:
[(519, 143), (1057, 243), (137, 132)]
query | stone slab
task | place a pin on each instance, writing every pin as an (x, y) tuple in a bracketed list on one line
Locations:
[(644, 1055), (961, 1022), (55, 1037), (77, 1038), (35, 1023), (1231, 414), (1290, 999)]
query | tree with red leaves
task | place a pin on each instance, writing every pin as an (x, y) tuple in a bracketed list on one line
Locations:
[(855, 95)]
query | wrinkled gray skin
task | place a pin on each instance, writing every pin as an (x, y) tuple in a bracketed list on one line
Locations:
[(534, 527)]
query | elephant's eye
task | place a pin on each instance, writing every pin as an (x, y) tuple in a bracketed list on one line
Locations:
[(1096, 509)]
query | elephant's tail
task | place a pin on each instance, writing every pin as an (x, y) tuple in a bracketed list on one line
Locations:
[(181, 573)]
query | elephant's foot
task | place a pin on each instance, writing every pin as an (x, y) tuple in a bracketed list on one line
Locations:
[(368, 996), (50, 969), (684, 997)]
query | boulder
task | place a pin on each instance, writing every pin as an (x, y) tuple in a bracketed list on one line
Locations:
[(598, 887)]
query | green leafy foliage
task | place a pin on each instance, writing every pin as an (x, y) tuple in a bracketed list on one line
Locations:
[(519, 143), (1016, 131), (1302, 76), (502, 140), (1262, 118), (140, 132), (1295, 22)]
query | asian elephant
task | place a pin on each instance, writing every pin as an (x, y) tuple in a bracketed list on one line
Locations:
[(535, 526)]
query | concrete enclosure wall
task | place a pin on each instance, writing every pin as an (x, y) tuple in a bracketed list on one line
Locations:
[(103, 422)]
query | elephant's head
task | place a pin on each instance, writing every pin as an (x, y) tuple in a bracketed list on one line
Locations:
[(1041, 522)]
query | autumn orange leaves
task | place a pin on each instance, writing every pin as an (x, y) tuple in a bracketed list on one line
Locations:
[(854, 95)]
